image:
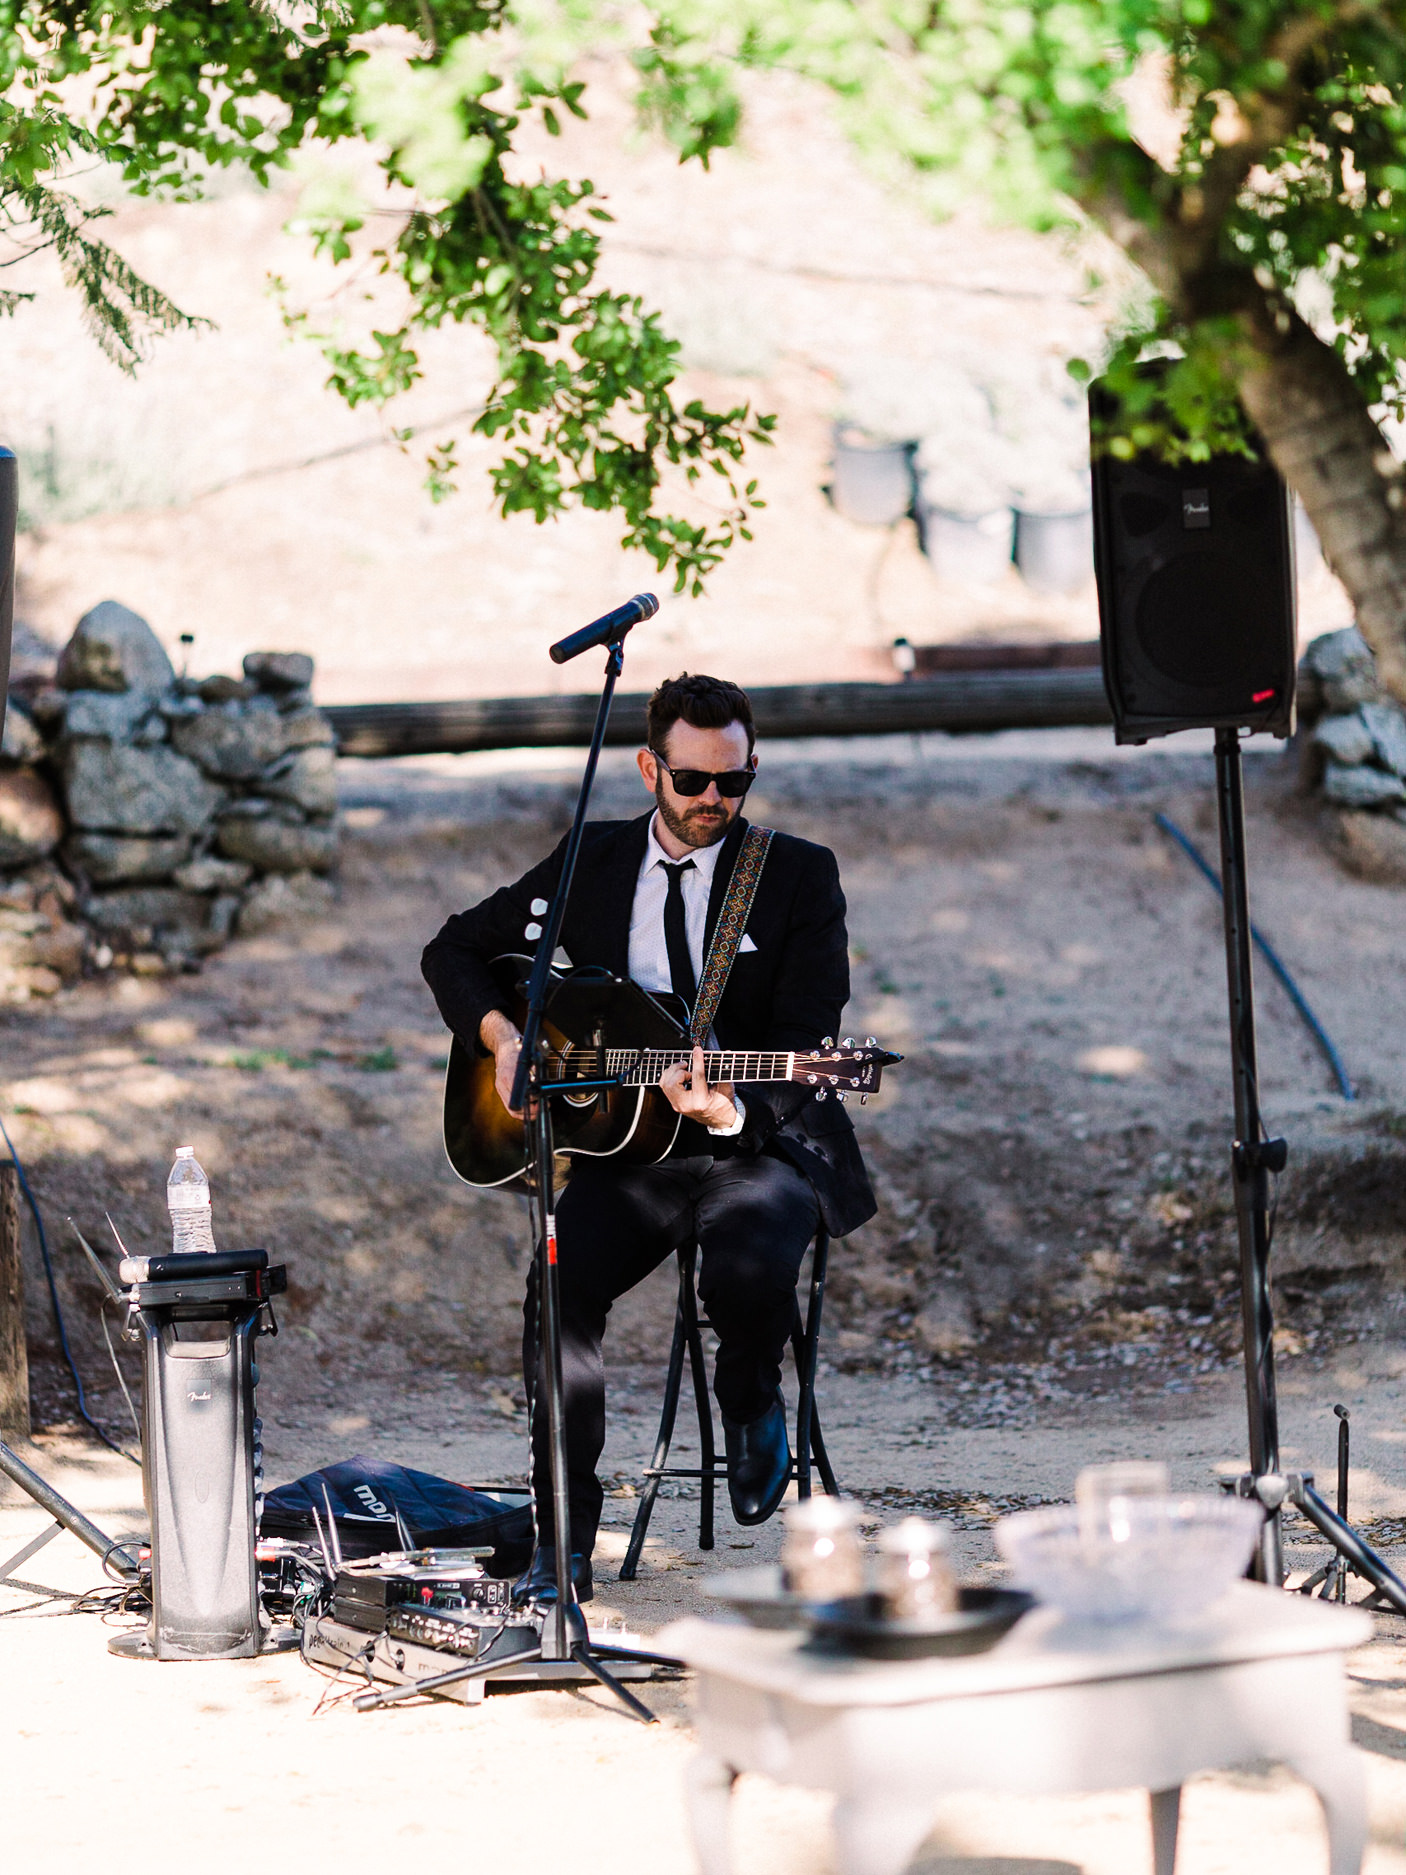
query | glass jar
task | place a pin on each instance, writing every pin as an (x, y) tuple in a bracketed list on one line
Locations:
[(915, 1577), (822, 1558)]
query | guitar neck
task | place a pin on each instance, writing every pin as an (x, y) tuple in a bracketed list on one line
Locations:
[(646, 1067)]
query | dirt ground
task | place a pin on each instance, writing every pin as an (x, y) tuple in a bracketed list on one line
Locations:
[(1050, 1282), (1049, 1156)]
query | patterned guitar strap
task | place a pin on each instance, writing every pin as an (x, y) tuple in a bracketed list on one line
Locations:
[(732, 922)]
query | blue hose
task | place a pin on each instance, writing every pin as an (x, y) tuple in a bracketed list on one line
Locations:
[(1273, 959)]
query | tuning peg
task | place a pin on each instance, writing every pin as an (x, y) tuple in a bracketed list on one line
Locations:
[(840, 1097), (827, 1041), (532, 931), (820, 1093), (539, 908), (864, 1100), (848, 1042), (811, 1079), (871, 1041)]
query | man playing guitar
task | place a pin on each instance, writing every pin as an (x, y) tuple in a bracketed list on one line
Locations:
[(749, 1175)]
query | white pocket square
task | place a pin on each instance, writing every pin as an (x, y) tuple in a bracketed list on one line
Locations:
[(745, 945)]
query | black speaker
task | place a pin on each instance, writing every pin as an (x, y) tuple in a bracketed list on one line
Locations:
[(1195, 568)]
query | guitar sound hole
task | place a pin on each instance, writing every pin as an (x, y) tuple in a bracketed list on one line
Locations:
[(565, 1068)]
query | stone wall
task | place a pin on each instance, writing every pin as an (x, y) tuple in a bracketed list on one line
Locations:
[(1356, 752), (145, 817)]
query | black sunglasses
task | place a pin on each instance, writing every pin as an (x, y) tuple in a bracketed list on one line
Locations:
[(731, 783)]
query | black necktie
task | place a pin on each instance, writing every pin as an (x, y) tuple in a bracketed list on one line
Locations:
[(676, 933)]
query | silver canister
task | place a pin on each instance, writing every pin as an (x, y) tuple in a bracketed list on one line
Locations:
[(822, 1558), (915, 1576)]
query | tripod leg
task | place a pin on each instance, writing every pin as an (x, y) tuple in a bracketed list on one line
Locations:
[(1166, 1815), (413, 1689), (31, 1548), (583, 1657), (124, 1562), (1349, 1545)]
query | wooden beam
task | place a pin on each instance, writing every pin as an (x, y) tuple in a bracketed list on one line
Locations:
[(959, 702), (14, 1352)]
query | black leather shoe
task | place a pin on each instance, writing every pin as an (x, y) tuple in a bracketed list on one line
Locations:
[(758, 1462), (539, 1584)]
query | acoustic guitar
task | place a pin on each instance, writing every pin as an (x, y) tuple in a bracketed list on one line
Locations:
[(603, 1027)]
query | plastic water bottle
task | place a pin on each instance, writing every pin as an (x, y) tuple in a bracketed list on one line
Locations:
[(188, 1201)]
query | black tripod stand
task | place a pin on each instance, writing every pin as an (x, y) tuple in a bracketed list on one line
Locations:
[(1253, 1159)]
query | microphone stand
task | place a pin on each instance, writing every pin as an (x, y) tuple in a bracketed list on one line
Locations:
[(564, 1634)]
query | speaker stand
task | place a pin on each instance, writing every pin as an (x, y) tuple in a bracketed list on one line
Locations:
[(1253, 1157)]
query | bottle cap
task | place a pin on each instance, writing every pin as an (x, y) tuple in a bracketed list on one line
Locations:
[(185, 1152)]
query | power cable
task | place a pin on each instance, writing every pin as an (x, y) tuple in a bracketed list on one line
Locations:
[(1271, 957), (56, 1305)]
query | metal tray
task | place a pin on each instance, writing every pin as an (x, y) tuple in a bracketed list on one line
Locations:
[(858, 1625)]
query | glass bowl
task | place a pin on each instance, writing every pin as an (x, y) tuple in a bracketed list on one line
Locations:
[(1161, 1559)]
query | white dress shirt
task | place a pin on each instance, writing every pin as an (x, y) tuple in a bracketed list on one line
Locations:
[(649, 954)]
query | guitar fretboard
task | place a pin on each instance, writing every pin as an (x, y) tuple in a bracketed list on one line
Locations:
[(645, 1067)]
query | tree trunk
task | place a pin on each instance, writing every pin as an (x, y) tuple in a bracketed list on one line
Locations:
[(1326, 446)]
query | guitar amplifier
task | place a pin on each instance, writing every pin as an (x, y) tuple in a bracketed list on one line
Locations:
[(365, 1594)]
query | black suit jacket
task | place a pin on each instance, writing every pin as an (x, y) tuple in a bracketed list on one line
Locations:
[(789, 992)]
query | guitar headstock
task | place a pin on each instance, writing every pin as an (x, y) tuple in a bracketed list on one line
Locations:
[(851, 1068)]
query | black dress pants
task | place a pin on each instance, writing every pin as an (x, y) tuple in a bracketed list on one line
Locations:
[(753, 1218)]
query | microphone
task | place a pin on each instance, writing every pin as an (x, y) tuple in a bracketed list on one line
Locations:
[(607, 630)]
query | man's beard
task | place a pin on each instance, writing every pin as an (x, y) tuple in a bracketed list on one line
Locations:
[(696, 826)]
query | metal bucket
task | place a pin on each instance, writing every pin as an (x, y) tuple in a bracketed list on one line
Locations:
[(872, 482), (972, 550), (1055, 552)]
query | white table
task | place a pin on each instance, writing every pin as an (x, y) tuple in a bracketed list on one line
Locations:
[(1052, 1709)]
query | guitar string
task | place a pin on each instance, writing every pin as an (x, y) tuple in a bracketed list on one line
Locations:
[(720, 1065)]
